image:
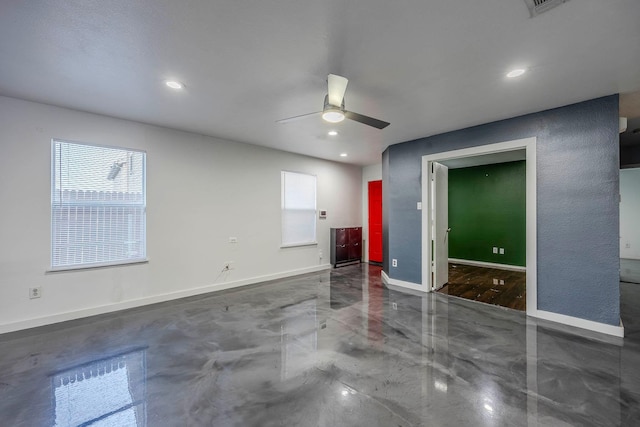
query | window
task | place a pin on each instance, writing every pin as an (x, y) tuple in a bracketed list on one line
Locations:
[(98, 205), (298, 209)]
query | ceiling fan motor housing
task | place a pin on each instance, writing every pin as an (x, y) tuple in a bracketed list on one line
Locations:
[(328, 106)]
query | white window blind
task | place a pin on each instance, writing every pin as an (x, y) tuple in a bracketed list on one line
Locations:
[(298, 209), (98, 205)]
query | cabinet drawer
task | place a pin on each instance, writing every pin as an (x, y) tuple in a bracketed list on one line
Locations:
[(355, 235), (342, 253), (342, 236), (355, 251)]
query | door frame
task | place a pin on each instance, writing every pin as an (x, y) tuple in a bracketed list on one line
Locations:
[(529, 145)]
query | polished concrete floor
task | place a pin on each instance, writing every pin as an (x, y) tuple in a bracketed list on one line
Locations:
[(506, 288), (329, 349)]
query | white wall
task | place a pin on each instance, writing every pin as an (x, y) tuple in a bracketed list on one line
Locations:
[(630, 213), (369, 173), (200, 191)]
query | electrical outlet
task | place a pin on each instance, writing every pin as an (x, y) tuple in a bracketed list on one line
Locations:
[(233, 240), (501, 282), (35, 292), (419, 206), (495, 281), (394, 262), (627, 245), (501, 251), (495, 250)]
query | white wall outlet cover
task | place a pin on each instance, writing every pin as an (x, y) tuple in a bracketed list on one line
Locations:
[(419, 206), (394, 262), (501, 251), (495, 250), (233, 240)]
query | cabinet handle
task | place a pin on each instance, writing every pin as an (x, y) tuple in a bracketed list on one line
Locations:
[(343, 246)]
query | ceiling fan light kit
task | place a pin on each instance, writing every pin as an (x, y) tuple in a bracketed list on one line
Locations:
[(333, 115)]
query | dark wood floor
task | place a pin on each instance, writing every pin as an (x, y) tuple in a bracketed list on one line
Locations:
[(505, 288)]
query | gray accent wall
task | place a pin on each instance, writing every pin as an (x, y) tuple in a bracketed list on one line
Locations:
[(386, 263), (577, 203)]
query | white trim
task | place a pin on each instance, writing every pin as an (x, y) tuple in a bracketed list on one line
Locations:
[(529, 144), (487, 264), (109, 308), (77, 267), (389, 281), (617, 331)]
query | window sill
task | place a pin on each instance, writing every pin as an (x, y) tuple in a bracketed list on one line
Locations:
[(297, 245), (71, 268)]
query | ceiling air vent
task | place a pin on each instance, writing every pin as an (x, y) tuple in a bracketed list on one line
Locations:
[(536, 7)]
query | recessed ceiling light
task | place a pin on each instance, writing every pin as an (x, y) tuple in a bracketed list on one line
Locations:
[(332, 133), (343, 155), (174, 84), (516, 72)]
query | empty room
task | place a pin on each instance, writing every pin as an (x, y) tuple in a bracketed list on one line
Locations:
[(258, 214)]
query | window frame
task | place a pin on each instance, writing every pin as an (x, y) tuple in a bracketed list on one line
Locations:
[(314, 242), (85, 266)]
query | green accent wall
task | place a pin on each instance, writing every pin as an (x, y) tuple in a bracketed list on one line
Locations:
[(487, 208)]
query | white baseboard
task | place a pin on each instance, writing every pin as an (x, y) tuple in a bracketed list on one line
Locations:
[(109, 308), (616, 331), (389, 281), (487, 264)]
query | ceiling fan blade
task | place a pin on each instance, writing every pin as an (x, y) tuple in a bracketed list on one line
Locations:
[(336, 85), (295, 118), (370, 121)]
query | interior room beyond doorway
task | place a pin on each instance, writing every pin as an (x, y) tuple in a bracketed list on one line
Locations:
[(487, 223)]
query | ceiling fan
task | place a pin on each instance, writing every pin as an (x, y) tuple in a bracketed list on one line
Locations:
[(334, 111)]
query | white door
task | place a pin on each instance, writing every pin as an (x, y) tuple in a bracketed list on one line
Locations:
[(440, 232)]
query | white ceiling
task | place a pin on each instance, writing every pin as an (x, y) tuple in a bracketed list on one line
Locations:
[(427, 67)]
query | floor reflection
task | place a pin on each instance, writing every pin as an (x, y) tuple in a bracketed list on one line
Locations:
[(105, 392), (299, 338)]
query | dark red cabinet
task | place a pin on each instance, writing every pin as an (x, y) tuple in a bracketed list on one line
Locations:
[(346, 245)]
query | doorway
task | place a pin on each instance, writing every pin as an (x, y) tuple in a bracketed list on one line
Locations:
[(375, 222), (629, 230), (435, 226)]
